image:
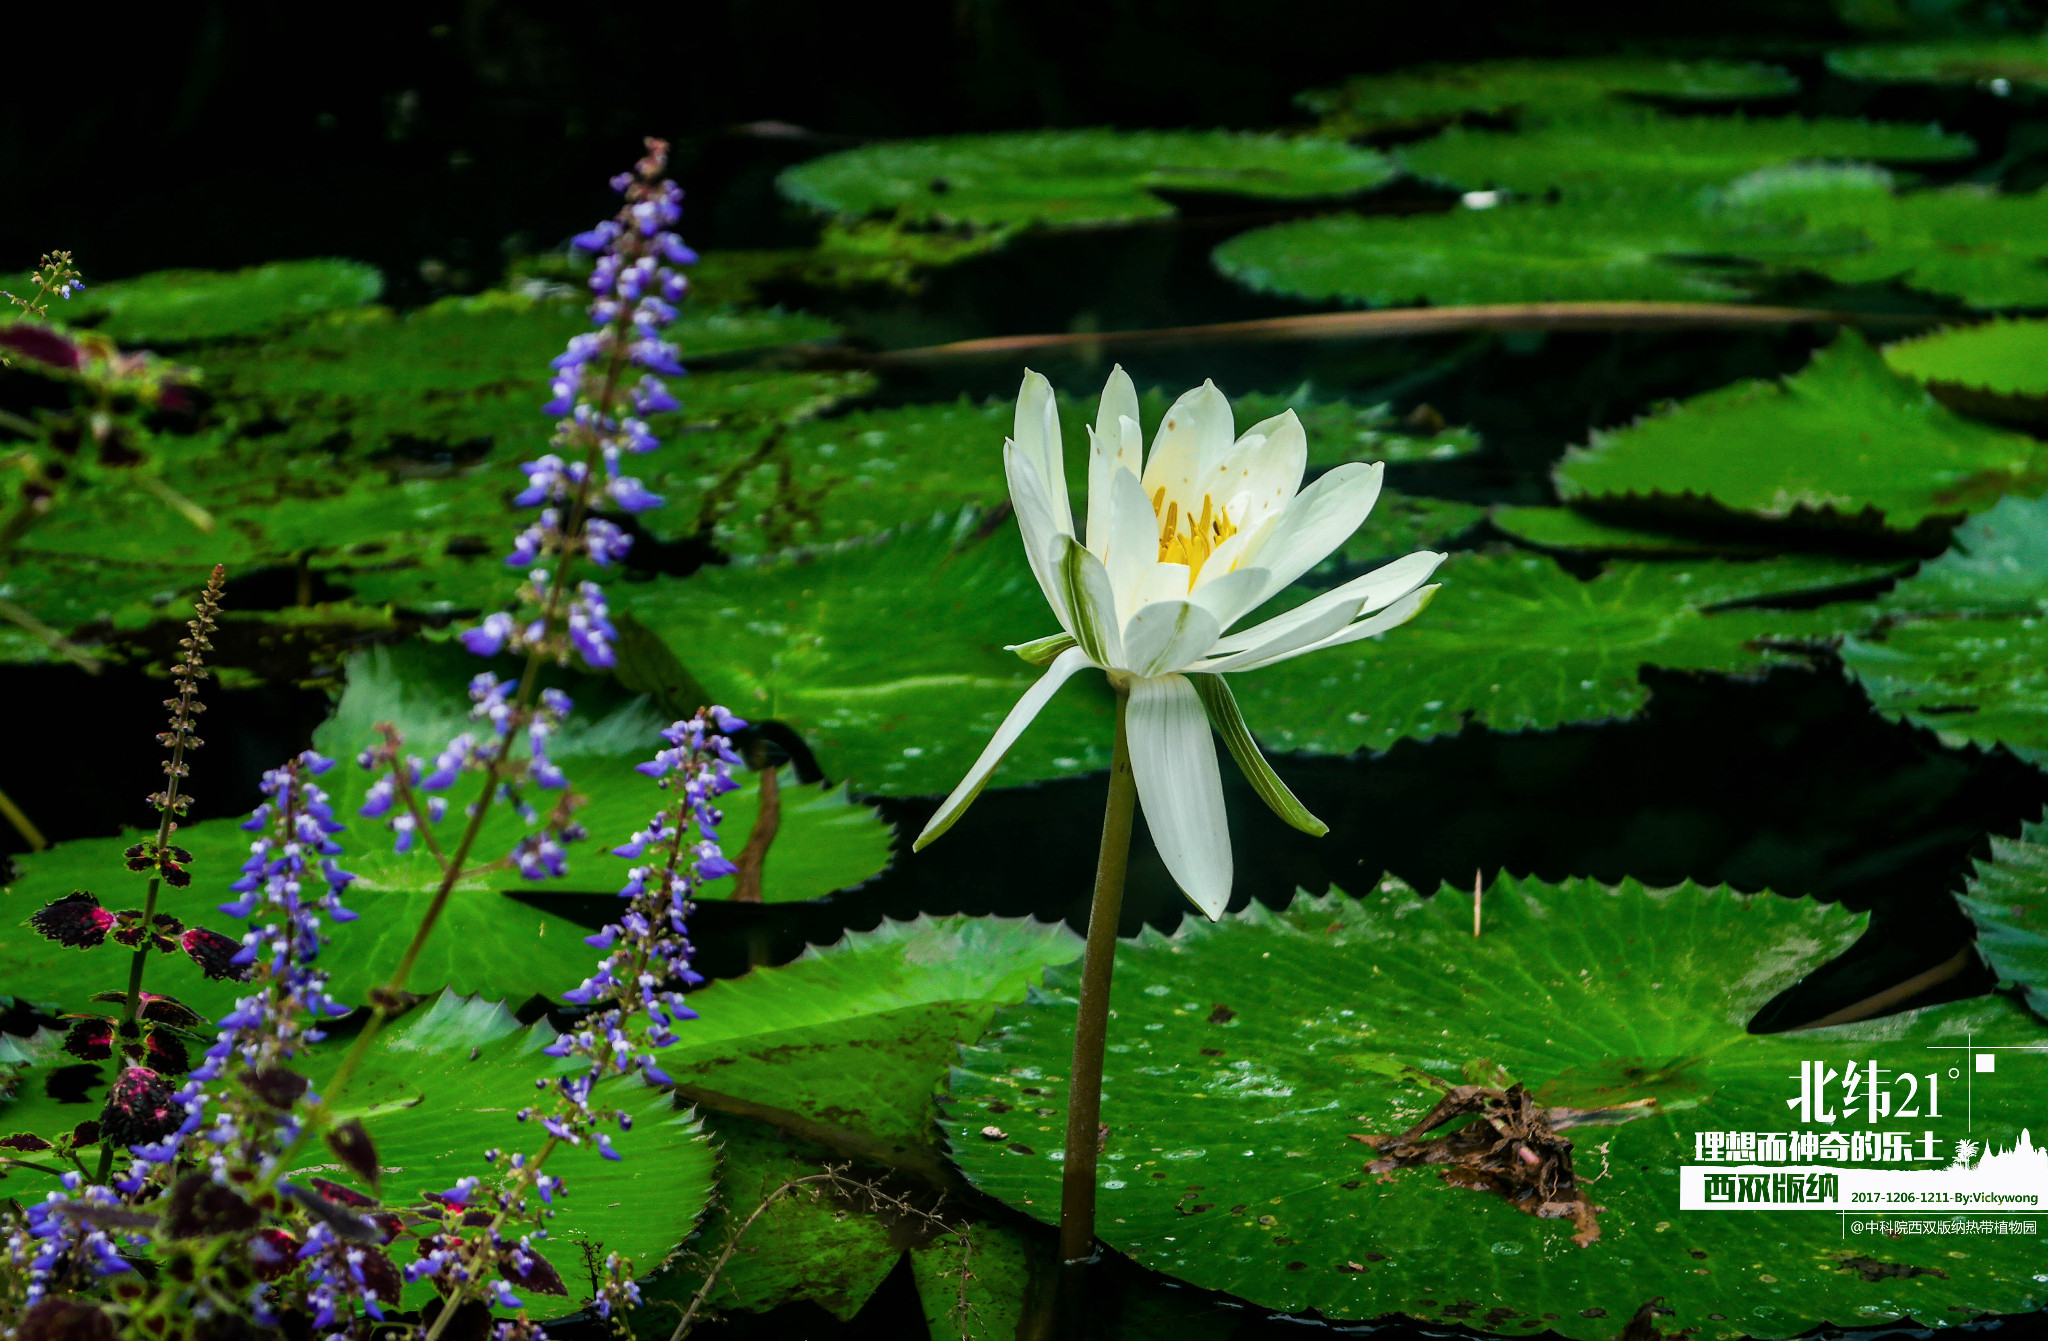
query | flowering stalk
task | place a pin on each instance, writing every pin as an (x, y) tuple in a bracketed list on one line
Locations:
[(635, 999), (635, 288)]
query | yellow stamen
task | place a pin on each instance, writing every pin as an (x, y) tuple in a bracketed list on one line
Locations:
[(1193, 546)]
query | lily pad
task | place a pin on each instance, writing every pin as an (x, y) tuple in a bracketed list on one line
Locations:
[(1845, 442), (185, 306), (1641, 247), (1962, 647), (1529, 89), (486, 943), (857, 1033), (1999, 64), (2007, 899), (1514, 642), (1403, 523), (1569, 531), (1245, 1055), (1638, 152), (1073, 178), (1845, 222), (887, 657), (1998, 370)]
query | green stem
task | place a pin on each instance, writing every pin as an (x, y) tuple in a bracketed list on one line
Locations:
[(1091, 1031), (23, 825)]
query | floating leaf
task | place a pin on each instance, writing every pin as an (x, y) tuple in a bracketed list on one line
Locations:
[(1569, 250), (1636, 152), (888, 658), (1403, 523), (486, 942), (1068, 178), (1998, 370), (1514, 642), (1569, 531), (1528, 89), (1962, 648), (1845, 222), (183, 306), (1999, 63), (2007, 899), (857, 1033), (1244, 1056), (1844, 442), (442, 1085)]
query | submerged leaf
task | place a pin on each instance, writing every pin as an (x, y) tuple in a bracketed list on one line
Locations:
[(183, 306), (1533, 89)]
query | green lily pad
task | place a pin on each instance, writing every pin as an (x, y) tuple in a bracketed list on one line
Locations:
[(887, 657), (2007, 898), (1569, 531), (1072, 178), (1570, 250), (486, 943), (1998, 370), (441, 1087), (1244, 1055), (1403, 523), (1635, 152), (1435, 93), (1962, 647), (857, 1033), (1844, 442), (2000, 63), (184, 306), (1514, 642), (1846, 223)]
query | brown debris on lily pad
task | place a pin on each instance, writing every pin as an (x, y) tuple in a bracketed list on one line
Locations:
[(1514, 1149)]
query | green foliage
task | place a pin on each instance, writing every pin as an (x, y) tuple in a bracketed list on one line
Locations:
[(1070, 178), (1961, 647), (1613, 247), (1569, 531), (1403, 523), (856, 1034), (487, 943), (1252, 1050), (888, 658), (1998, 370), (1513, 642), (1428, 94), (441, 1087), (1986, 248), (2012, 62), (1635, 153), (1844, 442), (185, 306), (2007, 899)]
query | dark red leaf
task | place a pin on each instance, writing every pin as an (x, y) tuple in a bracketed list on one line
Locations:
[(55, 1318), (76, 920), (215, 953), (351, 1144), (140, 1108), (198, 1207)]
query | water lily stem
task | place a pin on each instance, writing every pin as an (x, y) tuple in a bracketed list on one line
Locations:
[(1091, 1029)]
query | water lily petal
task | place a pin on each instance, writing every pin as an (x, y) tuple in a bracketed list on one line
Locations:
[(1322, 517), (1091, 605), (1229, 724), (1021, 714), (1230, 596), (1240, 550), (1037, 435), (1395, 615), (1106, 455), (1300, 633), (1162, 582), (1166, 635), (1259, 476), (1132, 539), (1369, 592), (1041, 533), (1195, 434), (1181, 788)]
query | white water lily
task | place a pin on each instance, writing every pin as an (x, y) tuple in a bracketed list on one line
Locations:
[(1179, 546)]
